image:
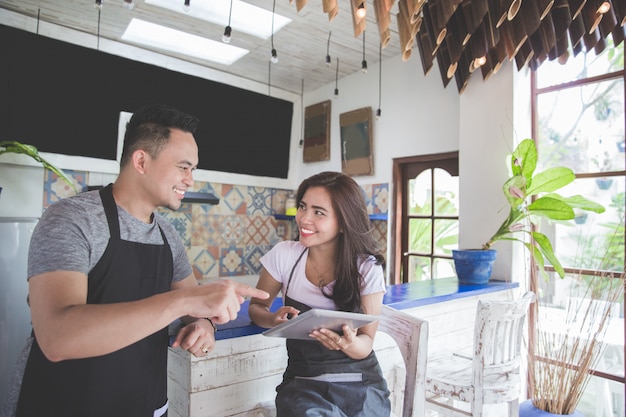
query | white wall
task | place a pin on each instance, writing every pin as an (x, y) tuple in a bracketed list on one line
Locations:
[(419, 116), (21, 188), (494, 117)]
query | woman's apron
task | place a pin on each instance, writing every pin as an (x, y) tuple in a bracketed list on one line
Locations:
[(319, 382), (131, 382)]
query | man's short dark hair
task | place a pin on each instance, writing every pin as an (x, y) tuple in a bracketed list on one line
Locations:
[(149, 129)]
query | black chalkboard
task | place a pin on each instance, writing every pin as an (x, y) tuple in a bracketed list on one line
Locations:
[(66, 99)]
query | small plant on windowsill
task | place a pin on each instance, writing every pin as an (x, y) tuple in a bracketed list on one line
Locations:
[(603, 164), (11, 146), (531, 198)]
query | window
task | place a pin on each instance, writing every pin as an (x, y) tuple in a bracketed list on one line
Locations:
[(426, 220), (579, 121)]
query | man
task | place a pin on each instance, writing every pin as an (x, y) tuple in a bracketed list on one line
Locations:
[(106, 278)]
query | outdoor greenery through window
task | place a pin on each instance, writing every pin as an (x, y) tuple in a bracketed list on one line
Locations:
[(430, 216), (580, 122)]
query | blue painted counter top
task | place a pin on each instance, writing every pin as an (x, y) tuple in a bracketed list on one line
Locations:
[(401, 297)]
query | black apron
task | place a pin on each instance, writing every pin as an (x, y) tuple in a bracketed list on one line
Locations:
[(131, 382), (319, 382)]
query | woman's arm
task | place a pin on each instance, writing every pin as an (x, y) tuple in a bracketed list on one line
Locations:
[(259, 309)]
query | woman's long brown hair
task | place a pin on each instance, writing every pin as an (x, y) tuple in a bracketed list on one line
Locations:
[(356, 241)]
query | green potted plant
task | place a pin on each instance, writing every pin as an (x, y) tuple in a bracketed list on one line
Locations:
[(531, 197), (11, 146)]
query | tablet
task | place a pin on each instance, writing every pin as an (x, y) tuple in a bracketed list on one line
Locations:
[(304, 323)]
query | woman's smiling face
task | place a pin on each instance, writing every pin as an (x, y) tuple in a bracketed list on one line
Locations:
[(316, 218)]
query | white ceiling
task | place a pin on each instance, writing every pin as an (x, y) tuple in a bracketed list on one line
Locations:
[(302, 45)]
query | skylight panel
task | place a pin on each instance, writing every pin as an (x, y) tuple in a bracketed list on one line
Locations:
[(245, 17), (161, 37)]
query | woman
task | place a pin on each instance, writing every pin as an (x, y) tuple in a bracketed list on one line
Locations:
[(335, 265)]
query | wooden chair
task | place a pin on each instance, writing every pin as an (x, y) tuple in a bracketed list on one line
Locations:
[(492, 374), (411, 336)]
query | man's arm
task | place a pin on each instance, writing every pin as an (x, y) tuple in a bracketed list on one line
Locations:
[(197, 335), (68, 328)]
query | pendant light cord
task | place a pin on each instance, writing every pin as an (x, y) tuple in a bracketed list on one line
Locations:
[(269, 77), (380, 71), (302, 112), (328, 43), (273, 11), (363, 45), (98, 41)]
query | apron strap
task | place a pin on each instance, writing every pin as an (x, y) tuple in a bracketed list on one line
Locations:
[(291, 273), (110, 209)]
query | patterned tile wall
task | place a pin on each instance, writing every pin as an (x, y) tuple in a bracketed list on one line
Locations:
[(227, 239)]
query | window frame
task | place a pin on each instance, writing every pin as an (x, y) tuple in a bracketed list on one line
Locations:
[(534, 284), (404, 169)]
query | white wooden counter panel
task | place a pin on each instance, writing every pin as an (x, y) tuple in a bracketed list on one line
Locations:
[(244, 371)]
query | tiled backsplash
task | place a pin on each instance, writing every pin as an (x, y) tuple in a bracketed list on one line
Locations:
[(227, 239)]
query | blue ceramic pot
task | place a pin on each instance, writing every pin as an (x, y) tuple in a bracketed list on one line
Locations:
[(527, 409), (473, 266)]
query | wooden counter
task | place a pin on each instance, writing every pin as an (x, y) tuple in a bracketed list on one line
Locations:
[(245, 366)]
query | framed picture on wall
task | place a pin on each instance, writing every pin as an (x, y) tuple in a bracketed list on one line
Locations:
[(356, 142), (317, 132)]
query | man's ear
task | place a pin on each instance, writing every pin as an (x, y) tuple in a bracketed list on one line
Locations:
[(139, 160)]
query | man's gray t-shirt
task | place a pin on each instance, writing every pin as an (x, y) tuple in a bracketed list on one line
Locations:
[(73, 234)]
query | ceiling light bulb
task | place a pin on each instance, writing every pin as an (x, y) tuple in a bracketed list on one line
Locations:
[(274, 56), (364, 66), (328, 60), (187, 5), (129, 4), (226, 35), (604, 7), (98, 4), (361, 11), (480, 61), (336, 92)]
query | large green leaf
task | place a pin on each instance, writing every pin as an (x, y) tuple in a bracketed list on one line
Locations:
[(524, 160), (580, 202), (550, 180), (11, 146), (546, 249), (551, 208), (517, 183), (538, 257)]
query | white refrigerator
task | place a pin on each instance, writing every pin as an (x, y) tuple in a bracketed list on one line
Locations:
[(15, 324)]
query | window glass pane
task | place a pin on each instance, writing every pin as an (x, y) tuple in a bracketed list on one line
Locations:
[(420, 240), (582, 127), (446, 236), (582, 66), (443, 268), (602, 394), (419, 268), (594, 240), (446, 193), (571, 310), (420, 194), (573, 307)]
